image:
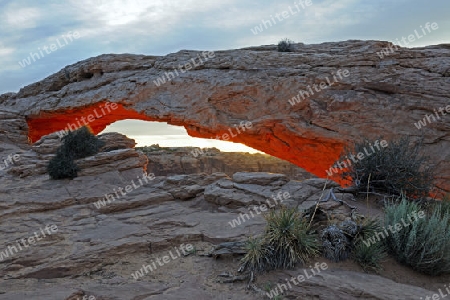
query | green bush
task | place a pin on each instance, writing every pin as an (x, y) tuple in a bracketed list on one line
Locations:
[(259, 256), (443, 205), (286, 241), (425, 243), (431, 205), (369, 257), (398, 168), (288, 234), (75, 145), (367, 229), (81, 143), (346, 240), (285, 45), (62, 166)]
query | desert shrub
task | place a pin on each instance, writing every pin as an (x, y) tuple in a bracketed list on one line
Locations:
[(424, 244), (369, 257), (431, 205), (346, 240), (285, 45), (259, 256), (289, 235), (443, 205), (336, 245), (78, 144), (350, 228), (399, 167), (81, 143), (367, 229), (62, 166), (286, 241)]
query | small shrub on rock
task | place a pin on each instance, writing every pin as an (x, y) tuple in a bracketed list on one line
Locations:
[(288, 234), (62, 166), (285, 45), (286, 241), (259, 256), (75, 145), (81, 143), (398, 168)]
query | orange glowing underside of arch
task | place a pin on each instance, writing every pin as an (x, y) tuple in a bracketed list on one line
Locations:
[(314, 154)]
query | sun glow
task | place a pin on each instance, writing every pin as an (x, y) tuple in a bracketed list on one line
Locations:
[(149, 133)]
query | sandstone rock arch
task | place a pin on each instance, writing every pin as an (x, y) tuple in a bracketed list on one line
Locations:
[(379, 97)]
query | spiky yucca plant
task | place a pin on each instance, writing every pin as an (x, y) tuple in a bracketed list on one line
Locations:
[(369, 257), (367, 229), (259, 256), (288, 234)]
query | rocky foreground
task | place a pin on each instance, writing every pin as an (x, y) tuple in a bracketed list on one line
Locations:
[(64, 240)]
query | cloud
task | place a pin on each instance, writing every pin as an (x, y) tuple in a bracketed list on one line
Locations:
[(4, 51), (18, 17), (159, 27)]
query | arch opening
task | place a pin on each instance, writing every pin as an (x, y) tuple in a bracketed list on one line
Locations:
[(147, 133), (313, 154)]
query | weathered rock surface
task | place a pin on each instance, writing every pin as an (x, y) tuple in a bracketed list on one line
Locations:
[(115, 155), (95, 251), (97, 246), (100, 243), (166, 161), (379, 97), (161, 214), (343, 285)]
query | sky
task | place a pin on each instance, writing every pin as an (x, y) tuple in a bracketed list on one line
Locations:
[(79, 29)]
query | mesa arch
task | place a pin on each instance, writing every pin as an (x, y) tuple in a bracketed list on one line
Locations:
[(47, 123), (380, 97)]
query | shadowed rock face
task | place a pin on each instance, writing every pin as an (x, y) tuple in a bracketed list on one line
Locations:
[(166, 161), (378, 97)]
